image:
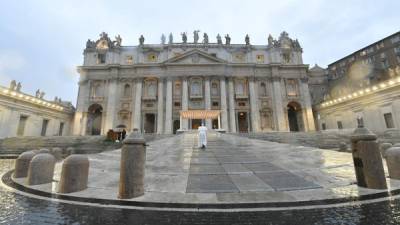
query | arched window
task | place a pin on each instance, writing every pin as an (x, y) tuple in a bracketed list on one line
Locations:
[(127, 90), (263, 89), (214, 89), (195, 88)]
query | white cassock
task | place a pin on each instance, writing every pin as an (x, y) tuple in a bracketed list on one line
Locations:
[(202, 136)]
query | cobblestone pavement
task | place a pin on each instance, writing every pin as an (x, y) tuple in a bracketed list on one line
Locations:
[(18, 209)]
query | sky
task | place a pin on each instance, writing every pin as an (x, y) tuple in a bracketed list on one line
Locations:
[(42, 41)]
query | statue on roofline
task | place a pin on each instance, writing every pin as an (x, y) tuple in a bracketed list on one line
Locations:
[(171, 39), (205, 38), (227, 39), (270, 40), (163, 39), (19, 86), (13, 84), (37, 94), (247, 39), (184, 37), (196, 36), (141, 40), (219, 40), (118, 41)]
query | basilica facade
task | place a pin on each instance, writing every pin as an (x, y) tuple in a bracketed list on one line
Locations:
[(177, 85)]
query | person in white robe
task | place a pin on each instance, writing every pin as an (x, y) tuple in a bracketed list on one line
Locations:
[(202, 136)]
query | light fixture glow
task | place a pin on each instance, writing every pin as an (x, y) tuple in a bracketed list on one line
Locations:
[(374, 88)]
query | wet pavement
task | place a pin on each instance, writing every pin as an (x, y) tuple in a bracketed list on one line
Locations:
[(20, 209)]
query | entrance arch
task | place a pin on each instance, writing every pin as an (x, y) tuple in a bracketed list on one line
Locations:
[(95, 112), (295, 117)]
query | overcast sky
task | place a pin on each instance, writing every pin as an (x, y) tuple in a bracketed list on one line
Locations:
[(41, 41)]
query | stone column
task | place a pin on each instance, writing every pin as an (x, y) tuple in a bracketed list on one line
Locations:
[(133, 160), (280, 121), (83, 125), (224, 106), (81, 108), (138, 105), (168, 108), (232, 113), (254, 110), (112, 97), (185, 102), (207, 100), (160, 106), (309, 116)]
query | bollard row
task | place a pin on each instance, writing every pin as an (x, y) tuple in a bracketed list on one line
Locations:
[(37, 166)]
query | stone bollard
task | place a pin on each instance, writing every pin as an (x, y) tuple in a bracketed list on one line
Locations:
[(41, 169), (22, 164), (342, 147), (57, 153), (367, 159), (74, 174), (393, 162), (383, 147), (43, 150), (133, 159)]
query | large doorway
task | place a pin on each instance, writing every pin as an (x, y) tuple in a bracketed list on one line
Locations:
[(176, 126), (196, 123), (149, 123), (243, 124), (294, 116), (95, 112)]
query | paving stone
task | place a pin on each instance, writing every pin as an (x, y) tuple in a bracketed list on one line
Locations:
[(210, 184), (204, 161), (262, 167), (235, 168), (249, 182), (206, 169), (284, 180)]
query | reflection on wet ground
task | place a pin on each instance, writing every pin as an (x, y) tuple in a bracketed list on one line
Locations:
[(19, 209)]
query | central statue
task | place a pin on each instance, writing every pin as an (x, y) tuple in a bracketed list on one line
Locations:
[(184, 37), (196, 36)]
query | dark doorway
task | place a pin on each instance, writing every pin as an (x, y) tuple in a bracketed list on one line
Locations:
[(294, 116), (95, 112), (196, 123), (176, 126), (149, 123), (242, 122), (214, 124)]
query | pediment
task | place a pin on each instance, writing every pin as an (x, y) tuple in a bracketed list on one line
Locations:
[(195, 57)]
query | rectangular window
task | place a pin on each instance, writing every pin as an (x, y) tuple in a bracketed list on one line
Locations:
[(323, 126), (21, 125), (44, 127), (215, 104), (388, 120), (177, 104), (101, 58), (339, 125), (60, 130)]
